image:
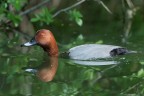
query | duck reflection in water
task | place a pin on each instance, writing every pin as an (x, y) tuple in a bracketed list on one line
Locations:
[(46, 71)]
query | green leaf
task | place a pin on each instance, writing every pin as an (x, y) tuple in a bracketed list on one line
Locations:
[(80, 37), (44, 17), (140, 73), (76, 16), (79, 21), (99, 42), (34, 19), (142, 63), (14, 18), (17, 4)]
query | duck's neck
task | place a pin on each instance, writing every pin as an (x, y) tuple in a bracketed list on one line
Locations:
[(51, 48)]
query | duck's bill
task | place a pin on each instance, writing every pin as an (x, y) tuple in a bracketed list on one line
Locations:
[(31, 43)]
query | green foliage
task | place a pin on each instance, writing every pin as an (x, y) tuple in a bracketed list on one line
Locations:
[(76, 16), (17, 4), (140, 73), (14, 18), (7, 15), (99, 42), (45, 17), (3, 10)]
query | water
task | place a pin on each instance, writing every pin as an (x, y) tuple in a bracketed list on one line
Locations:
[(120, 75)]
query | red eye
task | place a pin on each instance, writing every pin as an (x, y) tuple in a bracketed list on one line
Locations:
[(32, 40)]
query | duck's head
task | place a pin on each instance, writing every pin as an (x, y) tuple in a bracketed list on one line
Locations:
[(45, 39), (42, 38)]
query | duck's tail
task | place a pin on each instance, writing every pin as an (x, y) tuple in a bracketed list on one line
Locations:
[(121, 51), (132, 52)]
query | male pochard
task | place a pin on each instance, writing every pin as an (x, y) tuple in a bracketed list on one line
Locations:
[(46, 40)]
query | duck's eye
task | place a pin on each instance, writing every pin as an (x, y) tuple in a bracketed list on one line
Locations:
[(32, 40)]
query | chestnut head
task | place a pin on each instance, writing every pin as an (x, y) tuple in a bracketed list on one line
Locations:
[(42, 37)]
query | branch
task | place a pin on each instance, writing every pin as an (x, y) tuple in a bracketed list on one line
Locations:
[(130, 4), (129, 12), (132, 87), (34, 8), (101, 73), (105, 7), (22, 33), (58, 12), (68, 8)]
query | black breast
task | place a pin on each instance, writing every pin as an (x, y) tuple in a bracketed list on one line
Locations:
[(64, 55)]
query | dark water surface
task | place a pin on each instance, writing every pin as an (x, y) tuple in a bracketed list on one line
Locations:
[(62, 77)]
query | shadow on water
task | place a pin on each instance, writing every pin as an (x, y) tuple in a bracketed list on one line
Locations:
[(95, 63)]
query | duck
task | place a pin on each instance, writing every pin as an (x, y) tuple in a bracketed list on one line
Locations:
[(45, 39)]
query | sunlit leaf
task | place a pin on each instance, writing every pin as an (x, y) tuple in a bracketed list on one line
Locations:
[(142, 63), (79, 21), (99, 42), (76, 16), (45, 17), (80, 37), (15, 18), (17, 4), (140, 73), (34, 19)]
